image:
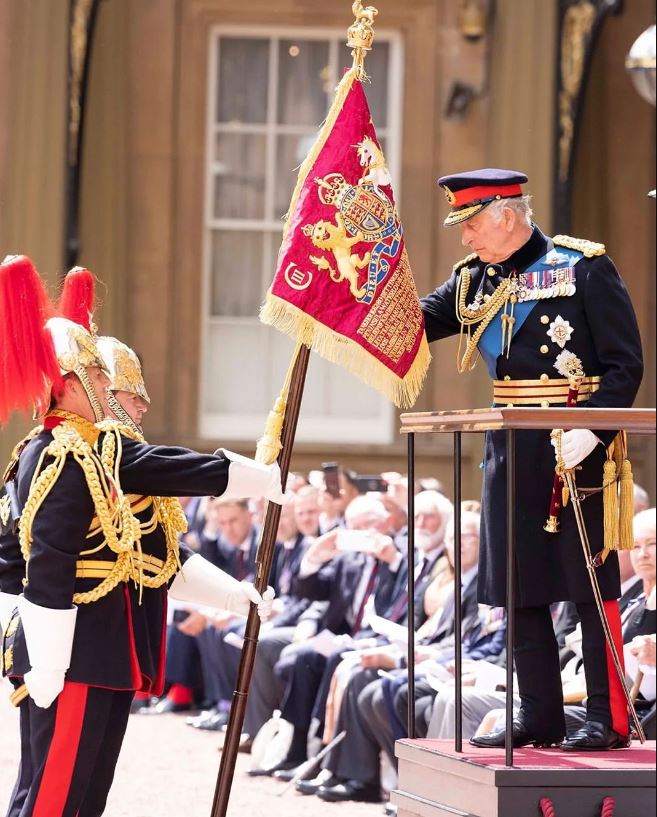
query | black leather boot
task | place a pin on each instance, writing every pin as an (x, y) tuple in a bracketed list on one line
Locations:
[(595, 737), (523, 735)]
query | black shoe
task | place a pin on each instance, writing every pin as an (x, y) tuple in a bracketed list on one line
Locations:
[(595, 737), (351, 790), (325, 778), (163, 707), (522, 736), (283, 767)]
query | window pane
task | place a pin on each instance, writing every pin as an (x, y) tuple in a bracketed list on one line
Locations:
[(239, 184), (242, 86), (232, 350), (377, 67), (303, 74), (236, 273), (290, 153)]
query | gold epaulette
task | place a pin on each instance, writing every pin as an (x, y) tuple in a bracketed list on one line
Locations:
[(468, 258), (589, 248)]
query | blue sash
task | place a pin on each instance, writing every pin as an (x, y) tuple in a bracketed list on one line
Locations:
[(490, 343)]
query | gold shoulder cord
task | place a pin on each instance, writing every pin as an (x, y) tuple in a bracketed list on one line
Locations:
[(590, 249), (119, 527), (483, 316), (167, 511)]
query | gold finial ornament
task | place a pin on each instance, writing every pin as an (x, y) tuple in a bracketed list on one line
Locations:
[(360, 35)]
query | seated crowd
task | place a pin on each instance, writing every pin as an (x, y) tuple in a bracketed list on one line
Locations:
[(330, 666)]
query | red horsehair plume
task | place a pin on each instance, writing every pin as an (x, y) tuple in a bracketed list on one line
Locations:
[(76, 301), (28, 363)]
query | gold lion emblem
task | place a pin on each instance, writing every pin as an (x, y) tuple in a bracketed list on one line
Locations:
[(333, 238)]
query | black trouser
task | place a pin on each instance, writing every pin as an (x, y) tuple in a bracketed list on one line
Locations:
[(69, 752), (536, 655)]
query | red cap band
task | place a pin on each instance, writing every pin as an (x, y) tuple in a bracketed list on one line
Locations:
[(470, 194)]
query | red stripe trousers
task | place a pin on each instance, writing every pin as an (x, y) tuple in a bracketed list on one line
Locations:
[(69, 752)]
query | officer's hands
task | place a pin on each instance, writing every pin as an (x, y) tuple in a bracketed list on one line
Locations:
[(250, 595), (576, 445), (44, 685)]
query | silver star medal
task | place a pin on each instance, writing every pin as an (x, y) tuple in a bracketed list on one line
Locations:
[(560, 331)]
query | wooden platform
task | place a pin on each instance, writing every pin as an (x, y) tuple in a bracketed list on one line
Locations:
[(434, 781)]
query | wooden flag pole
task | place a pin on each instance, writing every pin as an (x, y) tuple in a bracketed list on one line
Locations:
[(263, 569)]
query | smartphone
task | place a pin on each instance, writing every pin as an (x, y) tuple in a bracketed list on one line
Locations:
[(353, 540), (179, 616), (365, 484), (331, 481)]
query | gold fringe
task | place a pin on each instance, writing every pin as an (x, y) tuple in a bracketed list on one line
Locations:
[(626, 514), (337, 348), (610, 505)]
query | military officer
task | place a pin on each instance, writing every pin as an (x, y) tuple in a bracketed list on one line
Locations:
[(99, 550), (527, 303)]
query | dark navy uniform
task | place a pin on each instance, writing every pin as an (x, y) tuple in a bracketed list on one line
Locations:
[(606, 339), (118, 646), (571, 298)]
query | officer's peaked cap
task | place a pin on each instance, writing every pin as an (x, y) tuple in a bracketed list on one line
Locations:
[(468, 193)]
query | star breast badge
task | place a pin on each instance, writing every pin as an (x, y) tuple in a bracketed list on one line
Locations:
[(560, 331)]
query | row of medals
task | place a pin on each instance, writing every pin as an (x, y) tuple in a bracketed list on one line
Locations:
[(562, 289)]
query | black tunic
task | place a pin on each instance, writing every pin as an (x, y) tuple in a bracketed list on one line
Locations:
[(549, 567), (119, 641)]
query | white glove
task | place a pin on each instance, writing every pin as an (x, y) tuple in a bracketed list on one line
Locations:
[(203, 583), (248, 478), (265, 602), (49, 639), (7, 607), (576, 445), (44, 685)]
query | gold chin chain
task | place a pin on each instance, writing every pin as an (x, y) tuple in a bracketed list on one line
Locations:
[(121, 414), (504, 297), (87, 385)]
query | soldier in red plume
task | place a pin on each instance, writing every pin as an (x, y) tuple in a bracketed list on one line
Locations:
[(86, 600)]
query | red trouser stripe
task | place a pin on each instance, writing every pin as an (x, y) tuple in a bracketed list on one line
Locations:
[(63, 751), (617, 702)]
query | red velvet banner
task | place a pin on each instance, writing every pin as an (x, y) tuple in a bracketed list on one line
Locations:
[(344, 284)]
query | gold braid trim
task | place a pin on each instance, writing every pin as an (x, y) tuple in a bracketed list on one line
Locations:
[(588, 248), (167, 511), (119, 527), (483, 316), (464, 261)]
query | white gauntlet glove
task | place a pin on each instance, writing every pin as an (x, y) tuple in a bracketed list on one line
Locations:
[(203, 583), (248, 478), (576, 445), (49, 639)]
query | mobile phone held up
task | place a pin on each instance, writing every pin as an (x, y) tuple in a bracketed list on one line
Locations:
[(331, 481), (366, 484)]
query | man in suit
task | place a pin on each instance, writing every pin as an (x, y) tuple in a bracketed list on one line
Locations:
[(355, 573), (351, 770), (288, 625), (222, 663), (531, 306), (230, 540)]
